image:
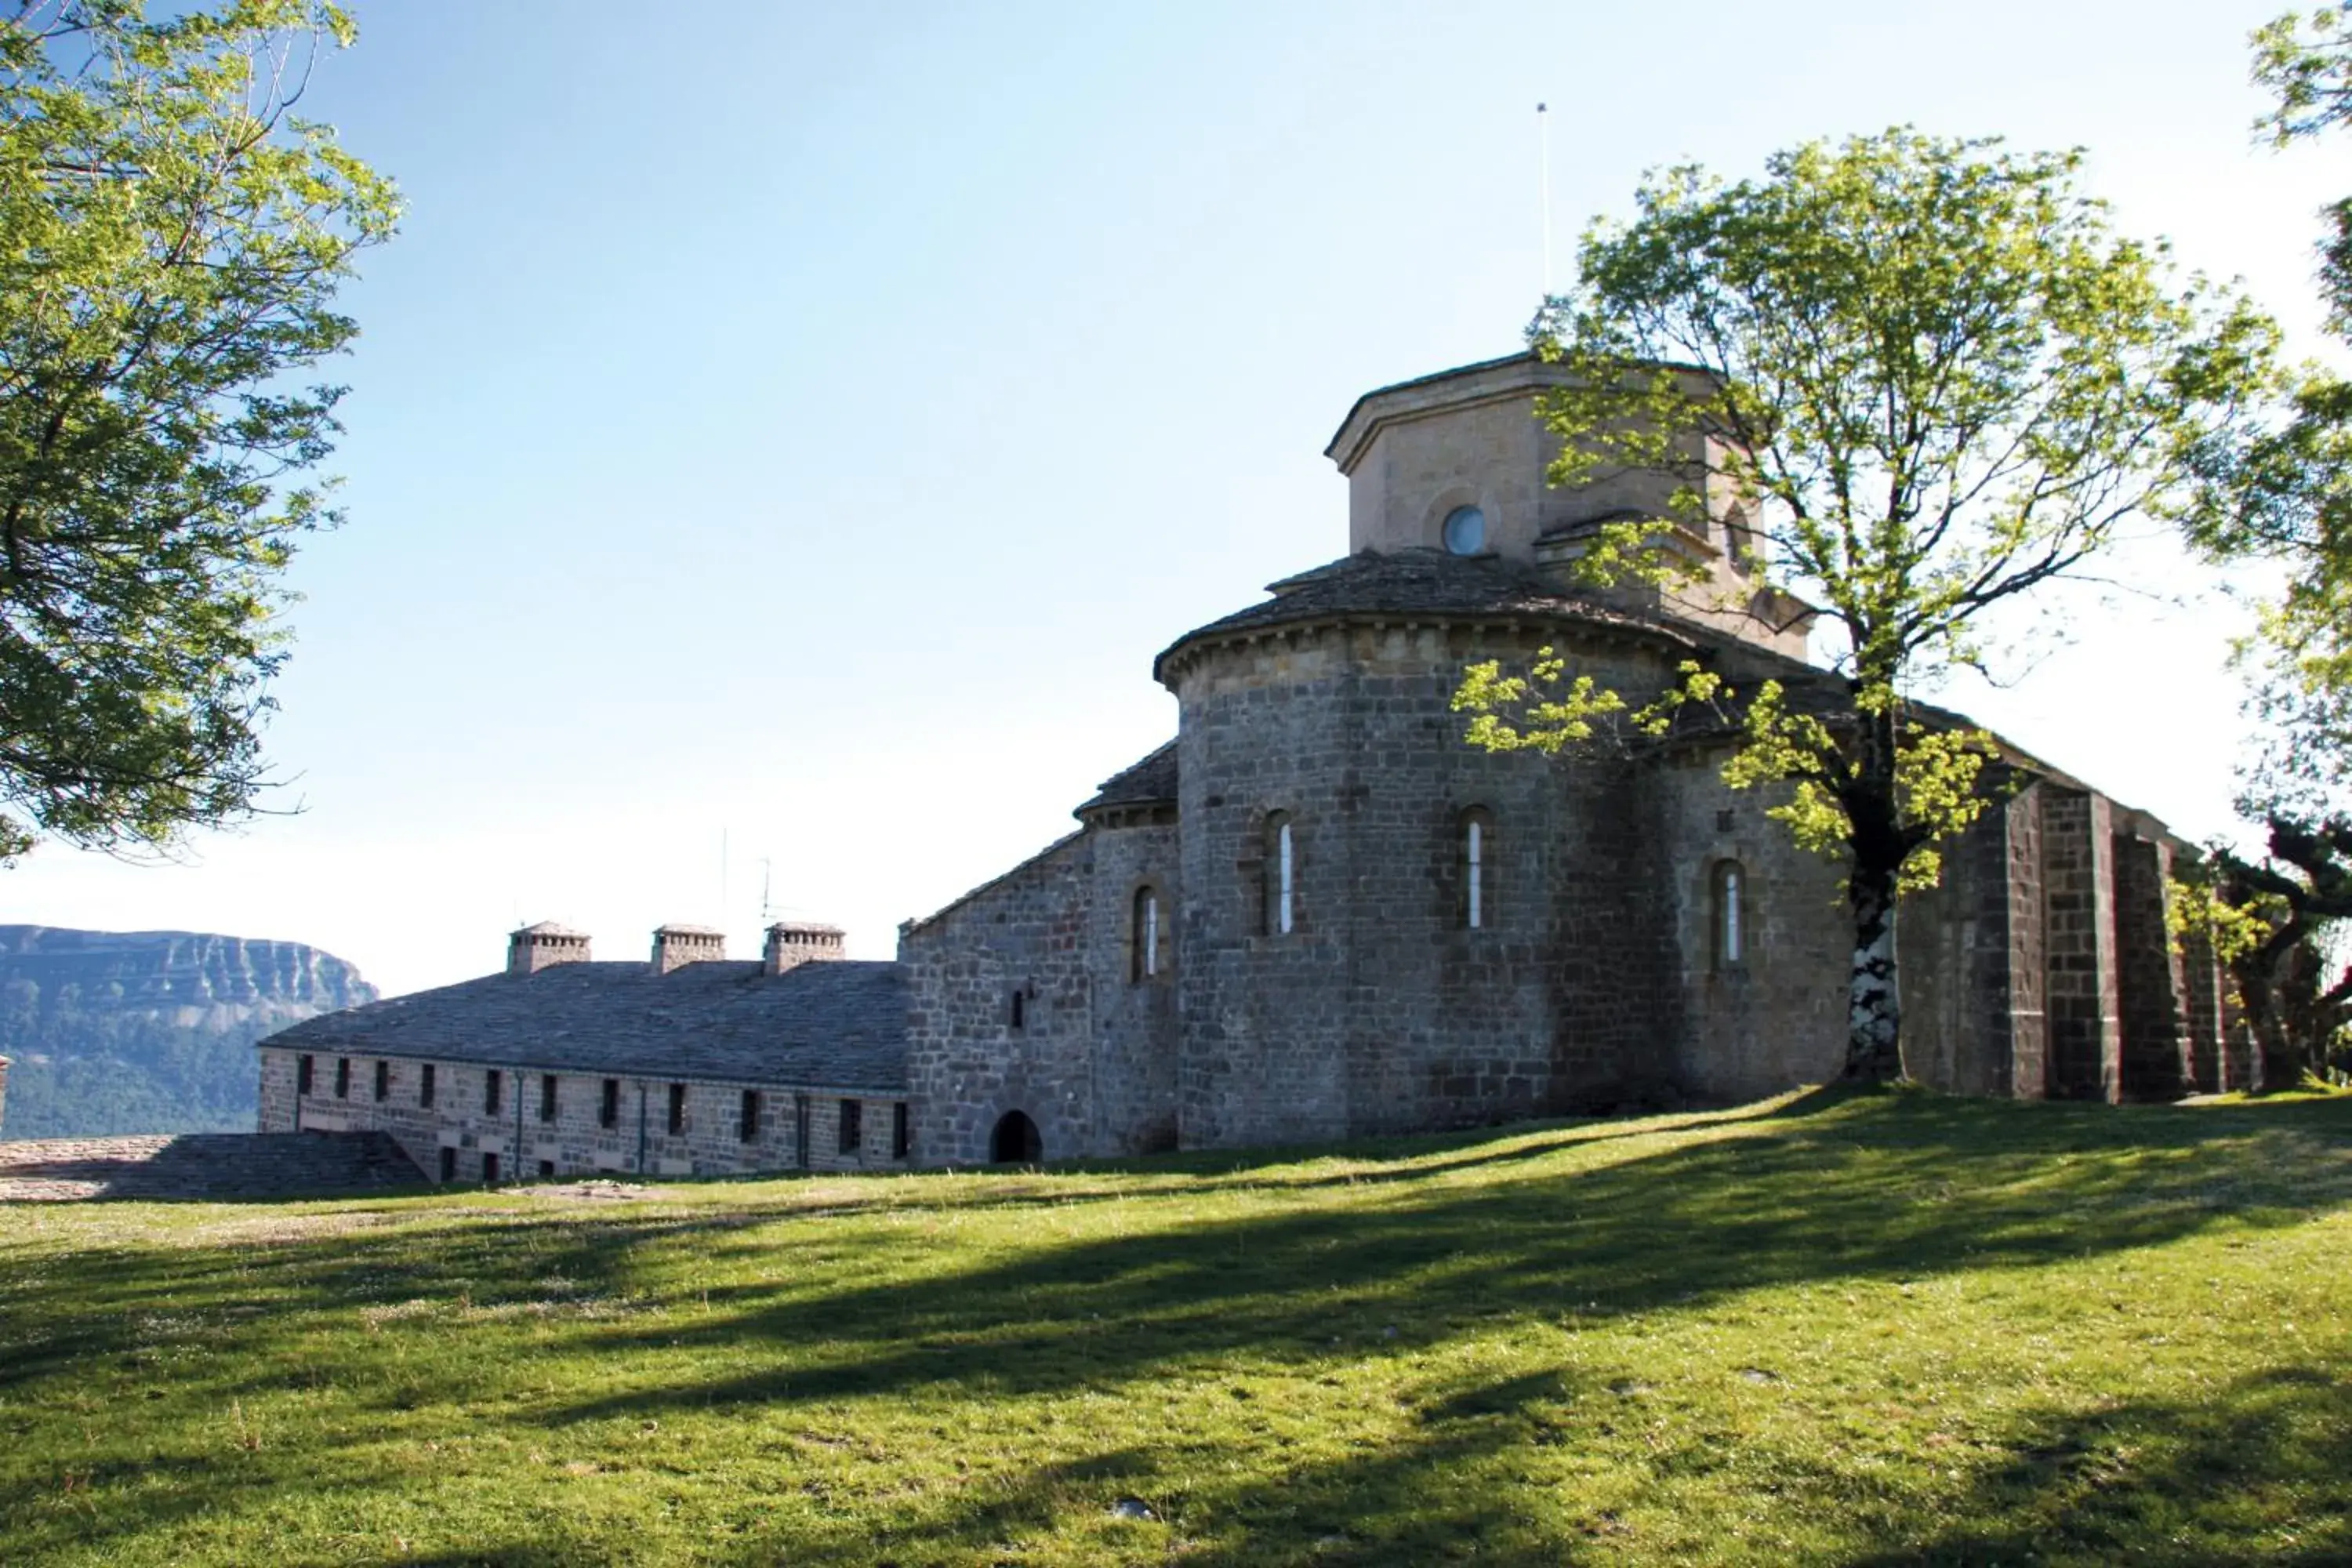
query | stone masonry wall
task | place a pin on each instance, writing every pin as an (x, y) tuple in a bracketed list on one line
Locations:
[(2204, 1013), (2151, 980), (1613, 973), (968, 1063), (2237, 1045), (1263, 728), (2028, 957), (1136, 1039), (1381, 1011), (279, 1104), (1956, 957), (2077, 873), (574, 1142), (1776, 1016)]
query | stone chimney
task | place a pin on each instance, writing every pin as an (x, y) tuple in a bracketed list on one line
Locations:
[(541, 946), (791, 944), (676, 946)]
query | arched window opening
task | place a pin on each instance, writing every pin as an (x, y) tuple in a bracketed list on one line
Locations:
[(1477, 854), (1020, 1009), (1281, 875), (1729, 919), (1146, 938), (1015, 1141)]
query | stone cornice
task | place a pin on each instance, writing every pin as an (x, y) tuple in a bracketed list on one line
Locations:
[(1597, 626)]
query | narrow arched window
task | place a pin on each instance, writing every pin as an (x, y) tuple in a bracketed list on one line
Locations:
[(1730, 916), (1281, 875), (1146, 937), (1477, 854)]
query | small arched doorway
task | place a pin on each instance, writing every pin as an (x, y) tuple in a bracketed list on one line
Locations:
[(1015, 1141)]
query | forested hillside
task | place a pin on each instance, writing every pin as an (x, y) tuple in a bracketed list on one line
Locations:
[(148, 1031)]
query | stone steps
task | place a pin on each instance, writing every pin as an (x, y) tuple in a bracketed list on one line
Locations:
[(204, 1165)]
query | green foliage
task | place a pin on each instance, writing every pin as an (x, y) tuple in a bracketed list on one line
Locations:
[(1549, 711), (77, 1073), (171, 240), (2233, 927), (1862, 1330), (2282, 490), (1922, 372), (2267, 921), (1910, 380), (2285, 488), (2307, 64)]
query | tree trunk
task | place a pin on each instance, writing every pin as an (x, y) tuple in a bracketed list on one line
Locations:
[(2278, 1056), (1873, 1046)]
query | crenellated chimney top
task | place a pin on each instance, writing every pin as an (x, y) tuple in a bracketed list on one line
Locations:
[(677, 945), (544, 945), (791, 944)]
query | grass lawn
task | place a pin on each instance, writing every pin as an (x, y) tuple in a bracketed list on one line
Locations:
[(1881, 1330)]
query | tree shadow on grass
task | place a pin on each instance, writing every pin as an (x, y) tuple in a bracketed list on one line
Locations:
[(1885, 1185), (1890, 1186), (1422, 1498), (2259, 1469), (1902, 1188), (464, 1245)]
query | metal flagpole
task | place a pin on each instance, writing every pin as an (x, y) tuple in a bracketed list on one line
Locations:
[(1543, 155)]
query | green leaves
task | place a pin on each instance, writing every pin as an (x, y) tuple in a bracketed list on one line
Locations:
[(1923, 368), (1796, 753), (171, 241), (2307, 64), (1906, 379), (2281, 489)]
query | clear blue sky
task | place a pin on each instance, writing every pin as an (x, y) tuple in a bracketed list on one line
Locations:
[(803, 423)]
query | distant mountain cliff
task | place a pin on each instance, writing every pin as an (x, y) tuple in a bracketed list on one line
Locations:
[(148, 1031)]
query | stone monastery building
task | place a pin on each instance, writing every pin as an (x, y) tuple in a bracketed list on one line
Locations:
[(1316, 912)]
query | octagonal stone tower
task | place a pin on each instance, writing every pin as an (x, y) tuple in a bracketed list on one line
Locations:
[(1457, 461)]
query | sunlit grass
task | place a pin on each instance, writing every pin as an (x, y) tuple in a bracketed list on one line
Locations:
[(1893, 1329)]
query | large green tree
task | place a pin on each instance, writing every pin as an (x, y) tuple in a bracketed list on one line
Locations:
[(172, 236), (2286, 487), (1920, 379)]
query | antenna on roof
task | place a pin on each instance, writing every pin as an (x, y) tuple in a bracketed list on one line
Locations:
[(1543, 159), (767, 874)]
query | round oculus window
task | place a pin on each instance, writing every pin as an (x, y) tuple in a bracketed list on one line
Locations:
[(1466, 531)]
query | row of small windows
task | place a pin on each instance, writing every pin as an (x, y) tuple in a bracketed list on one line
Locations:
[(1279, 902), (1148, 930), (750, 1123), (1279, 872)]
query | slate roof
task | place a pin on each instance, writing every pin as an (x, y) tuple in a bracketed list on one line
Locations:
[(839, 1025), (1144, 784), (1419, 582)]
